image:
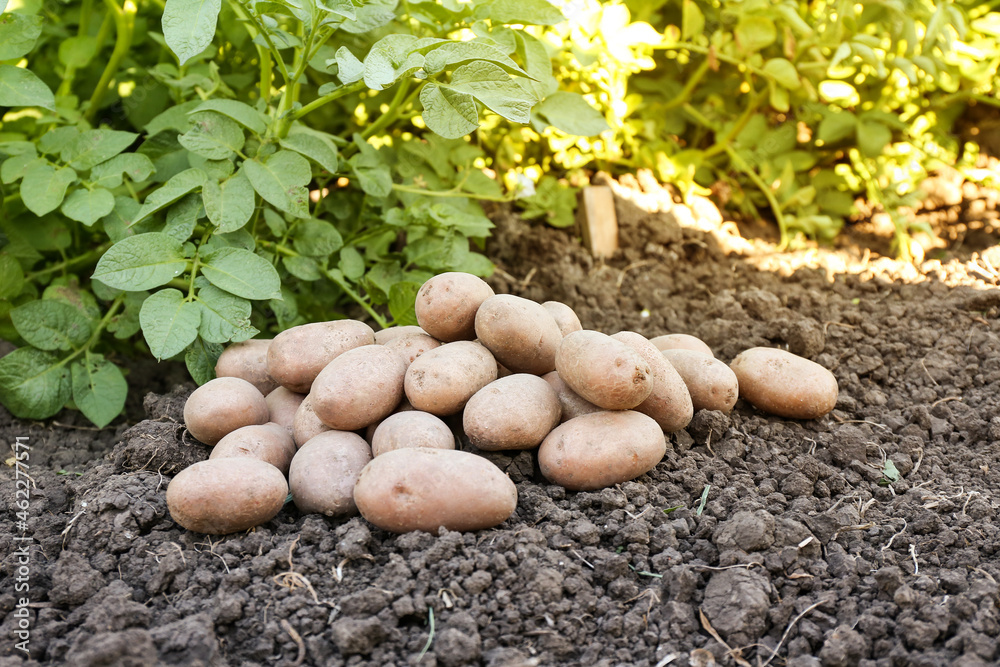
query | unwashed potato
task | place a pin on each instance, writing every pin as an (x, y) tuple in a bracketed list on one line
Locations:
[(681, 341), (514, 412), (324, 471), (669, 403), (383, 336), (601, 449), (442, 380), (785, 384), (712, 384), (413, 428), (358, 388), (271, 443), (297, 355), (426, 489), (221, 496), (221, 406), (565, 316), (604, 371), (573, 405), (520, 333), (404, 406), (410, 346), (247, 360), (306, 424), (282, 405), (446, 305)]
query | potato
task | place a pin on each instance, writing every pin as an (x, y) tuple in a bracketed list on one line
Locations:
[(604, 371), (785, 384), (221, 406), (271, 443), (427, 489), (515, 412), (564, 316), (247, 360), (680, 341), (669, 403), (573, 405), (601, 449), (297, 355), (520, 333), (221, 496), (306, 424), (404, 406), (282, 405), (446, 305), (383, 336), (358, 388), (442, 380), (712, 384), (324, 471), (411, 429), (411, 346)]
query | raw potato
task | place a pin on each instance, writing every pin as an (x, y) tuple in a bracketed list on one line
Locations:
[(282, 405), (564, 316), (573, 405), (410, 429), (669, 403), (681, 341), (410, 346), (306, 424), (604, 371), (404, 406), (383, 336), (324, 471), (443, 380), (247, 360), (446, 305), (358, 388), (601, 449), (221, 496), (297, 355), (221, 406), (520, 333), (515, 412), (271, 443), (712, 384), (426, 489), (785, 384)]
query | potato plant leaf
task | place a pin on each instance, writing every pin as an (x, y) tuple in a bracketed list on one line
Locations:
[(49, 324), (34, 384), (243, 273), (169, 323), (141, 262), (99, 389)]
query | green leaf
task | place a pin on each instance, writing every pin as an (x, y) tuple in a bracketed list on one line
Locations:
[(44, 187), (352, 264), (18, 33), (373, 174), (349, 68), (536, 61), (109, 174), (836, 126), (229, 204), (178, 186), (182, 217), (21, 88), (492, 86), (169, 323), (314, 146), (783, 71), (371, 15), (449, 113), (280, 179), (200, 360), (873, 138), (242, 273), (528, 12), (77, 51), (224, 316), (43, 234), (316, 238), (242, 113), (33, 384), (14, 168), (303, 268), (692, 20), (174, 118), (890, 471), (141, 262), (88, 206), (214, 136), (189, 26), (442, 54), (754, 33), (11, 276), (99, 389), (95, 146), (389, 59), (402, 297), (275, 223), (116, 224), (572, 114), (55, 141), (126, 323)]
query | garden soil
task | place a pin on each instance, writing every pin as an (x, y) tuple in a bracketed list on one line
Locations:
[(868, 537)]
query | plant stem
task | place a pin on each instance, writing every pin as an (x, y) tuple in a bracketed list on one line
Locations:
[(685, 95), (741, 164), (124, 23), (326, 99), (392, 113), (86, 7), (79, 259), (721, 144), (96, 334), (449, 193)]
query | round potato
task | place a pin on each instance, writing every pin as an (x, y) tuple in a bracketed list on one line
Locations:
[(410, 429), (383, 336), (487, 418), (271, 443), (411, 346), (601, 449), (221, 406), (564, 316), (306, 424), (442, 380), (446, 305), (520, 333), (573, 405), (669, 403), (247, 360), (712, 384), (221, 496), (785, 384), (427, 489), (604, 371), (358, 388), (282, 405), (324, 471), (297, 355), (681, 342)]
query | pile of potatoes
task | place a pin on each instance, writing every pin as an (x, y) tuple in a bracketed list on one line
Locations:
[(349, 420)]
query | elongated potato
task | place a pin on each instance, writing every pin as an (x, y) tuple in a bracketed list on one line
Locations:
[(785, 384), (297, 355), (306, 424), (604, 371), (601, 449), (247, 360), (413, 428), (489, 419), (221, 406), (442, 380), (520, 333), (426, 489), (324, 471), (712, 384), (564, 316), (282, 405), (222, 496), (446, 305), (383, 336), (669, 403), (679, 341), (410, 346), (573, 405), (358, 388), (271, 443)]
